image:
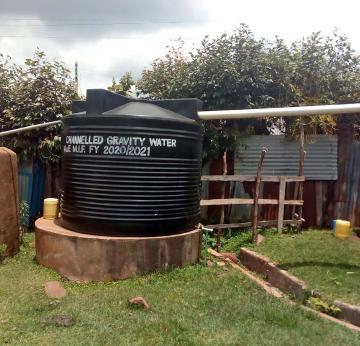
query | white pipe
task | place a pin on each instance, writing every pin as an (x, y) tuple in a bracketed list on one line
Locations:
[(31, 127), (280, 112), (241, 114)]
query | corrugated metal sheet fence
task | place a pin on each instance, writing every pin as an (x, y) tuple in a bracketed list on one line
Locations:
[(25, 193), (31, 189), (332, 188), (347, 196), (340, 199), (283, 156)]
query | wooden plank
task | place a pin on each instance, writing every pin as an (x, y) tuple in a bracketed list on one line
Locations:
[(242, 178), (282, 188), (239, 178), (227, 178), (256, 196), (246, 201), (248, 224), (295, 179), (293, 202), (238, 201)]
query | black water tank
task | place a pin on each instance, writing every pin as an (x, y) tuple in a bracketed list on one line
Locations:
[(131, 167)]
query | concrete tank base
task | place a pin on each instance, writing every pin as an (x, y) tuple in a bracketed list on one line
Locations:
[(85, 257)]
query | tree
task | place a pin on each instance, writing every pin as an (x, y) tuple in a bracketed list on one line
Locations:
[(167, 77), (4, 83), (326, 71), (124, 85), (39, 92), (240, 71), (228, 72)]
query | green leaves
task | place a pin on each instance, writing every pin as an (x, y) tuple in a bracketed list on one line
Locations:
[(323, 306), (240, 71), (35, 93), (124, 85)]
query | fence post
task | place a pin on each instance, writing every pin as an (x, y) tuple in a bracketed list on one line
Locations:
[(282, 188), (256, 196)]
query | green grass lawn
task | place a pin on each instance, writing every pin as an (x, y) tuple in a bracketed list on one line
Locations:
[(189, 306), (327, 264)]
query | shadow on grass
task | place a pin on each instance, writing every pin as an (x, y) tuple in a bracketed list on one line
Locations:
[(319, 264)]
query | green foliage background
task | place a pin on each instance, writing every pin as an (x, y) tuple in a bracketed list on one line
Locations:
[(240, 71), (37, 92), (123, 86), (232, 71)]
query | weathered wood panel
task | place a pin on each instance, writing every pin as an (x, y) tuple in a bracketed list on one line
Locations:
[(247, 201), (242, 178)]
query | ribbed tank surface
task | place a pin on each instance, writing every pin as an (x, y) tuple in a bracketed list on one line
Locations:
[(132, 170)]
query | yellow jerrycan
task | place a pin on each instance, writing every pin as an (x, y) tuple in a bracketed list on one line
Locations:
[(342, 229), (51, 208)]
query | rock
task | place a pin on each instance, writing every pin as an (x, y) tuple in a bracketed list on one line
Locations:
[(259, 239), (53, 289), (231, 256), (63, 321), (139, 301)]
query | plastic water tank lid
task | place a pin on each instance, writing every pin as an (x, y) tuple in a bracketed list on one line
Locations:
[(142, 109)]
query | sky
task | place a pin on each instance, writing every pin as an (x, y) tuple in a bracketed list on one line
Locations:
[(110, 37)]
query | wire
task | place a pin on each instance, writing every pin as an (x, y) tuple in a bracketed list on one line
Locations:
[(98, 37), (107, 23)]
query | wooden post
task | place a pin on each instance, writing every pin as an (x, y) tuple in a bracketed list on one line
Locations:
[(299, 186), (222, 213), (282, 188), (256, 196), (296, 193), (218, 231), (301, 167)]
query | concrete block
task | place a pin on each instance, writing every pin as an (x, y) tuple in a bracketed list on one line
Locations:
[(279, 278), (350, 313), (86, 257)]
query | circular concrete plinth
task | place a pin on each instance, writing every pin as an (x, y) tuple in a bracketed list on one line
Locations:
[(86, 257)]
